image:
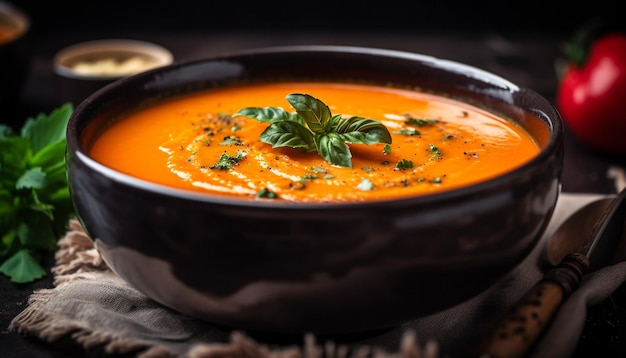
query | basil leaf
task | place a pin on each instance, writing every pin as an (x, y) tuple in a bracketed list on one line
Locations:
[(363, 131), (315, 113), (269, 114), (288, 134), (313, 127), (333, 148)]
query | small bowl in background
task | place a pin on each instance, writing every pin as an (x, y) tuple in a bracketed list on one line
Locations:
[(14, 53), (83, 68)]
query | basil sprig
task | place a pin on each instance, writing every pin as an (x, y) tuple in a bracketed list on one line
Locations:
[(313, 128)]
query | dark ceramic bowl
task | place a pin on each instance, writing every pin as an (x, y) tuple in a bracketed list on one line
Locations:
[(324, 268)]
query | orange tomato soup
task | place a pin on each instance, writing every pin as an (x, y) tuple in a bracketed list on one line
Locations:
[(178, 141)]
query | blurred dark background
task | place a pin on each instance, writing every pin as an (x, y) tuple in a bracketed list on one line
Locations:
[(496, 35), (559, 17)]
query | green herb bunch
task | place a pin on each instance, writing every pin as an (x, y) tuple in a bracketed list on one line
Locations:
[(35, 203), (313, 128)]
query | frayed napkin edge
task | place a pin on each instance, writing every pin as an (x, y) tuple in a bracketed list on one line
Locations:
[(242, 346), (76, 259)]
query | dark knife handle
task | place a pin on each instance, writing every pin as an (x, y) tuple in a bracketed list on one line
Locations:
[(516, 334)]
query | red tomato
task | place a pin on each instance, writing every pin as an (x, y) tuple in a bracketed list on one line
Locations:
[(592, 98)]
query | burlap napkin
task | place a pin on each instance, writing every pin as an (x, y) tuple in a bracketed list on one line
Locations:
[(98, 309)]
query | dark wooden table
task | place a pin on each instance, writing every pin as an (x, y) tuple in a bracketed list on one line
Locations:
[(527, 59)]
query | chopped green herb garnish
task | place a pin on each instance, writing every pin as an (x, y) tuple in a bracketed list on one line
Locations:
[(387, 149), (319, 170), (410, 132), (266, 193), (365, 185), (435, 152), (314, 128), (231, 140), (308, 177), (404, 164), (419, 122), (226, 161)]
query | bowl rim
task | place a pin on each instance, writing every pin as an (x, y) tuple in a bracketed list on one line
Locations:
[(554, 125), (61, 58)]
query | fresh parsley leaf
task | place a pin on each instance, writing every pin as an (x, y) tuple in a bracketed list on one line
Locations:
[(44, 130), (313, 127), (22, 267), (33, 178), (35, 202)]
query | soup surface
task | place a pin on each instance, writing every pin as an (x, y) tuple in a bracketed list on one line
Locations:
[(437, 144)]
